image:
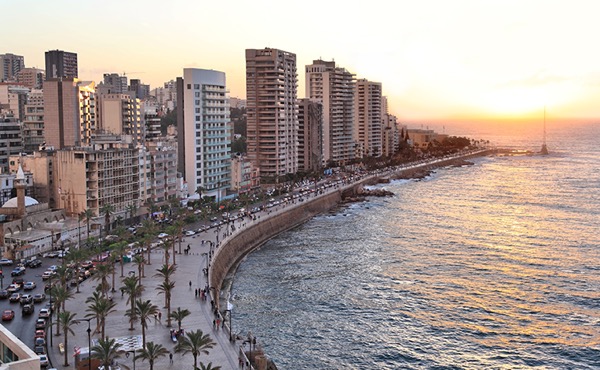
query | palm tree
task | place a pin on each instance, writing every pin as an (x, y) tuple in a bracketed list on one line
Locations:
[(133, 291), (179, 314), (144, 310), (103, 270), (62, 272), (118, 249), (132, 210), (88, 214), (148, 229), (152, 352), (60, 294), (107, 210), (107, 351), (166, 288), (99, 308), (195, 342), (66, 320), (140, 261), (76, 257)]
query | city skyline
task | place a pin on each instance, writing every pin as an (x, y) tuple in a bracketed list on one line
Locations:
[(435, 59)]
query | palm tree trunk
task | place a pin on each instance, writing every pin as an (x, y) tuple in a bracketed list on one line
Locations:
[(143, 333)]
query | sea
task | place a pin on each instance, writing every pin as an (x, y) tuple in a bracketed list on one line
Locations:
[(494, 265)]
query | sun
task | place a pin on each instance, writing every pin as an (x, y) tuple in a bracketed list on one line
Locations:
[(514, 101)]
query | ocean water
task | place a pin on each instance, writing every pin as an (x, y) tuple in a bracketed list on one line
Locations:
[(489, 266)]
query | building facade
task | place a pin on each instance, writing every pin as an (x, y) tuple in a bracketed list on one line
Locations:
[(10, 141), (32, 78), (204, 131), (367, 118), (333, 87), (120, 114), (272, 111), (310, 135), (33, 122), (10, 65), (61, 64)]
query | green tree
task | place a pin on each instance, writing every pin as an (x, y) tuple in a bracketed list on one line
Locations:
[(118, 249), (140, 262), (166, 288), (133, 291), (66, 320), (88, 214), (209, 366), (152, 352), (196, 343), (99, 307), (103, 271), (107, 210), (107, 351), (60, 294), (144, 310), (179, 314)]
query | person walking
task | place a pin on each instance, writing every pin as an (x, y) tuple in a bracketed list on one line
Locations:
[(171, 358)]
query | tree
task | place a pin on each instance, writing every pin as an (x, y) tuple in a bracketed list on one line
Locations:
[(140, 262), (66, 320), (152, 352), (132, 210), (107, 351), (60, 294), (75, 257), (179, 314), (88, 214), (209, 367), (133, 291), (144, 310), (196, 343), (99, 308), (103, 270), (107, 210), (118, 249), (166, 288)]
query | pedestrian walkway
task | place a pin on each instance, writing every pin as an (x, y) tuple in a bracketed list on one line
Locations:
[(190, 268)]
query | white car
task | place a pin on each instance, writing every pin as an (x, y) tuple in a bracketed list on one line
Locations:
[(5, 262), (190, 233), (163, 235), (44, 361)]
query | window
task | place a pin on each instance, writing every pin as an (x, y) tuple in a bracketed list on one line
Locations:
[(189, 86)]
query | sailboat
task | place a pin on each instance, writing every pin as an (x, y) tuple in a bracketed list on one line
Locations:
[(544, 150)]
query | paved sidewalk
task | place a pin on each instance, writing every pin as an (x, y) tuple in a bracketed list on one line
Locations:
[(189, 269)]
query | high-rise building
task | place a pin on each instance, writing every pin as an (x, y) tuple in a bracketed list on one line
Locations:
[(61, 63), (120, 114), (33, 123), (32, 78), (390, 135), (204, 131), (367, 118), (10, 65), (151, 120), (116, 83), (140, 90), (310, 135), (10, 140), (13, 98), (333, 87), (272, 111), (69, 112)]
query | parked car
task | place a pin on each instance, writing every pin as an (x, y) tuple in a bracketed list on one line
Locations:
[(5, 262), (15, 297), (39, 298), (18, 271), (13, 288), (44, 361), (48, 274), (30, 285), (34, 263), (44, 313), (27, 309), (4, 294), (40, 341), (163, 235), (39, 350), (40, 333), (18, 281), (40, 324), (8, 315)]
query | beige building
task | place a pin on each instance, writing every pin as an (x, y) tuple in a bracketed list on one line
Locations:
[(159, 171), (272, 111), (10, 65), (421, 138), (13, 98), (69, 112), (310, 135), (16, 355), (244, 175), (367, 118), (120, 114), (390, 135), (333, 87), (32, 78), (33, 123)]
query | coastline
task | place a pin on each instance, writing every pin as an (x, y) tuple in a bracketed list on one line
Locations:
[(237, 245)]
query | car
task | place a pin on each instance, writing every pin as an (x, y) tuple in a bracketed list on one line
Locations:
[(40, 341), (40, 333), (26, 299), (163, 235), (4, 294), (44, 313), (30, 285), (52, 254), (48, 274), (53, 268), (40, 324), (190, 233), (27, 309), (13, 288), (39, 298), (5, 262), (8, 315), (39, 350), (44, 361), (34, 264), (18, 271), (15, 297)]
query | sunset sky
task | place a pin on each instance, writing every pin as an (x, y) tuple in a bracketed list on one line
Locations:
[(436, 59)]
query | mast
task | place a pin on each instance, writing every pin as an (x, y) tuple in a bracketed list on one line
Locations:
[(544, 150)]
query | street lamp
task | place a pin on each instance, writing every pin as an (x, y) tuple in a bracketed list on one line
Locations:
[(89, 333)]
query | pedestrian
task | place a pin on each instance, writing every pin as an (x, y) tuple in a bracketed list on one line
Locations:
[(159, 316), (214, 324), (196, 292), (190, 284), (171, 358)]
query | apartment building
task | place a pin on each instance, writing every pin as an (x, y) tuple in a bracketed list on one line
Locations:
[(32, 78), (33, 122), (61, 64), (10, 65), (245, 177), (204, 131), (121, 114), (333, 87), (310, 135), (160, 171), (10, 140), (272, 111), (69, 112), (390, 135), (367, 118), (13, 98)]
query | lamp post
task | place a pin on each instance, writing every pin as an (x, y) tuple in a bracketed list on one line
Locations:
[(89, 333), (1, 279)]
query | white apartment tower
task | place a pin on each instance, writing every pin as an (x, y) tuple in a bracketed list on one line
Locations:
[(334, 88), (272, 111), (205, 133), (367, 118)]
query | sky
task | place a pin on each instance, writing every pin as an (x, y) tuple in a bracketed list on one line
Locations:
[(436, 59)]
